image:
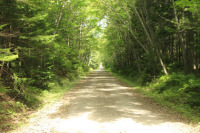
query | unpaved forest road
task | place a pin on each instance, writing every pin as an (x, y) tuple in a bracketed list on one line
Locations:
[(102, 104)]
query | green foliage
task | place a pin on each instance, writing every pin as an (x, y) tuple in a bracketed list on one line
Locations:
[(9, 110), (22, 91), (3, 89), (1, 26), (178, 89), (61, 85), (43, 40), (8, 56)]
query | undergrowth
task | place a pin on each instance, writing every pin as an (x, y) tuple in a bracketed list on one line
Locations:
[(179, 92), (15, 110)]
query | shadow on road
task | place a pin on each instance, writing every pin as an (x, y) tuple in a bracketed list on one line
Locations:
[(102, 99)]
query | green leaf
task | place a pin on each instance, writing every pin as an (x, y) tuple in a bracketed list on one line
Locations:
[(8, 58), (1, 26), (6, 55)]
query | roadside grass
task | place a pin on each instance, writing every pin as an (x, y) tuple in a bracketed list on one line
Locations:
[(58, 90), (14, 113), (177, 92)]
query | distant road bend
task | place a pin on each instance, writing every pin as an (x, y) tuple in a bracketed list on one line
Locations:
[(102, 104)]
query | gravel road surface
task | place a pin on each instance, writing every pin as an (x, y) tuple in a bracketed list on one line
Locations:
[(102, 104)]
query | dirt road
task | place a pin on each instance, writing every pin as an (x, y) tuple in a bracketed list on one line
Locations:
[(102, 104)]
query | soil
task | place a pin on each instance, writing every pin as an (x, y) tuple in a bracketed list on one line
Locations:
[(100, 103)]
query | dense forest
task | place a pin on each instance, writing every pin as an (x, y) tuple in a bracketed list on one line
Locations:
[(44, 40), (154, 43), (154, 35)]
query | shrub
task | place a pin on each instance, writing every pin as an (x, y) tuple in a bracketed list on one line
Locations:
[(178, 88)]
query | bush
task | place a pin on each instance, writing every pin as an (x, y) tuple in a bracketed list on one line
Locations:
[(143, 78), (178, 88), (23, 91)]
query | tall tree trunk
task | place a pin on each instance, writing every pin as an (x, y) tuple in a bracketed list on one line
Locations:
[(181, 38), (2, 67), (151, 38)]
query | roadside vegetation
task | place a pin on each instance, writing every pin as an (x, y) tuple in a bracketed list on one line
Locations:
[(15, 112)]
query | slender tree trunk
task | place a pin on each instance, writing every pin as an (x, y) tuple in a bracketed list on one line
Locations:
[(181, 38), (131, 30), (80, 37), (151, 39), (2, 67)]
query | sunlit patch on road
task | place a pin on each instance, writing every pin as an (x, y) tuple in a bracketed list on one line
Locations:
[(101, 104)]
